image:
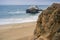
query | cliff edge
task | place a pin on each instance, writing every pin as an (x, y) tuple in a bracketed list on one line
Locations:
[(48, 24)]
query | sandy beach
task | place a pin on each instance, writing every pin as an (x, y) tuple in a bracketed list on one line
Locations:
[(19, 31)]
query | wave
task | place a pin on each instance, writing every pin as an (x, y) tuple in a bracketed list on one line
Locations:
[(17, 20), (16, 12)]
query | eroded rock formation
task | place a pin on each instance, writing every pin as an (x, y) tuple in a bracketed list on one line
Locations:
[(48, 24)]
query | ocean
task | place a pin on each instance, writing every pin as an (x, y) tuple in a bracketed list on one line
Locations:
[(10, 14)]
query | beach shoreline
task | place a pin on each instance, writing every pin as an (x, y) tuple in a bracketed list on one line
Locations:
[(14, 25), (17, 31)]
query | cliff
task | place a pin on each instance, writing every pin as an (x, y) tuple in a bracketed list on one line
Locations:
[(48, 24)]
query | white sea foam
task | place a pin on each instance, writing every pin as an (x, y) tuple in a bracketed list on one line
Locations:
[(17, 20)]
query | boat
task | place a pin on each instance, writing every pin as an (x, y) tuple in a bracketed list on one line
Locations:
[(33, 9)]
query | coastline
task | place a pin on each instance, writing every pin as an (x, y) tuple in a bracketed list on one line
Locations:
[(16, 20), (17, 31), (16, 25)]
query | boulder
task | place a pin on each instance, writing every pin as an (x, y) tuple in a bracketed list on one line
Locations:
[(48, 24), (33, 9)]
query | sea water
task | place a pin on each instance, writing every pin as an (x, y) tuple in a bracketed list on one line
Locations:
[(10, 14)]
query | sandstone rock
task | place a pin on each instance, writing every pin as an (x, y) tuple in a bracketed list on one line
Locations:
[(48, 24)]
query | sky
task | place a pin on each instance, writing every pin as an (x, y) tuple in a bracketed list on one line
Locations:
[(28, 2)]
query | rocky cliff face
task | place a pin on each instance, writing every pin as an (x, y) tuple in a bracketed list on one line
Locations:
[(48, 24)]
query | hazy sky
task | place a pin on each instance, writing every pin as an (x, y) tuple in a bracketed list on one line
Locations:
[(27, 2)]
